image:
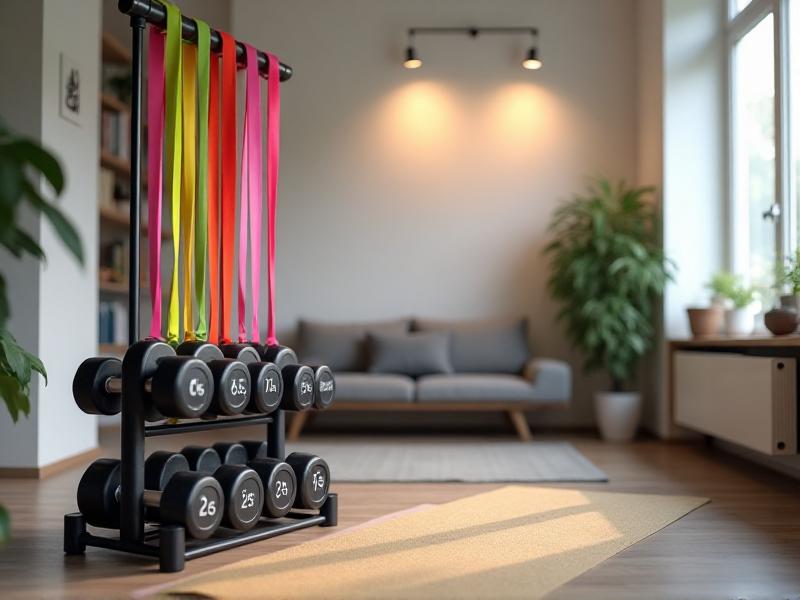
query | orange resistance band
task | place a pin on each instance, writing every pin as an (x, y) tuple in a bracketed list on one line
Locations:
[(213, 201), (228, 180)]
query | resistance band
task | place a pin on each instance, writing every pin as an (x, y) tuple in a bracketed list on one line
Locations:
[(228, 210), (155, 132), (188, 188), (250, 186), (213, 202), (273, 153), (201, 225), (174, 101)]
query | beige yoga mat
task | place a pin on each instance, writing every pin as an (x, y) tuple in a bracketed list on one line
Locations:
[(514, 542)]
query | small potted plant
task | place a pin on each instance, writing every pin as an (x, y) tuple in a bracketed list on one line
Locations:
[(739, 298), (789, 279), (607, 269)]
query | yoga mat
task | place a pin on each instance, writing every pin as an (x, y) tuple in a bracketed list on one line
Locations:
[(514, 542)]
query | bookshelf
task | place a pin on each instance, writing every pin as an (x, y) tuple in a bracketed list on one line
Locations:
[(113, 204)]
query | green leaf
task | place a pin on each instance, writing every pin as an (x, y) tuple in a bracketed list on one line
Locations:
[(18, 241), (5, 526), (5, 311), (29, 152), (14, 396), (14, 359), (62, 226)]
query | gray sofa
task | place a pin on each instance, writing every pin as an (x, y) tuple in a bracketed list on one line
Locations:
[(425, 365)]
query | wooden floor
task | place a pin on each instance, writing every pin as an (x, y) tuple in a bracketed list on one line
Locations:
[(745, 544)]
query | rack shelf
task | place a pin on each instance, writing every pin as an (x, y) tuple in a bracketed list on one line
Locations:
[(112, 349), (120, 166), (113, 103)]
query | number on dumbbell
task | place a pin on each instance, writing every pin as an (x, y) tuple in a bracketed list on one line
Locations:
[(281, 489), (270, 386), (208, 508), (248, 499), (196, 388), (319, 481), (239, 387)]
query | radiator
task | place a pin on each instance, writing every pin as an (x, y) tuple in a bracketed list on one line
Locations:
[(747, 400)]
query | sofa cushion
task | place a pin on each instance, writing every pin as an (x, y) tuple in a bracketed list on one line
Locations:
[(411, 354), (498, 346), (341, 346), (474, 388), (368, 387)]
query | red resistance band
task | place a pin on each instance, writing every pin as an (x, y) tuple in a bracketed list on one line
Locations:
[(228, 209), (273, 153)]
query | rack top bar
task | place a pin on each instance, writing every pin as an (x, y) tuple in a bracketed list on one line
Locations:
[(155, 13)]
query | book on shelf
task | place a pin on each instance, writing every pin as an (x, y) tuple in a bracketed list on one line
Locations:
[(112, 323), (115, 133)]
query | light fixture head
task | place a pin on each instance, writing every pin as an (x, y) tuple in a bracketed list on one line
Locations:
[(532, 62), (412, 61)]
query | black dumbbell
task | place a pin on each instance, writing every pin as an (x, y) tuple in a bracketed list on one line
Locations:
[(298, 387), (313, 476), (169, 385), (202, 459), (231, 377), (265, 377), (159, 468), (244, 496), (324, 387), (231, 453), (280, 485), (255, 449), (192, 500), (280, 355)]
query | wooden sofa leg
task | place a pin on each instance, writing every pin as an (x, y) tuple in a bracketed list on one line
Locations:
[(296, 426), (520, 423)]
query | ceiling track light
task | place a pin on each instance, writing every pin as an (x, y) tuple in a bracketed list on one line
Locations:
[(531, 62)]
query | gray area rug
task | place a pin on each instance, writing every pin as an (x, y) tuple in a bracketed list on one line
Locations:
[(386, 461)]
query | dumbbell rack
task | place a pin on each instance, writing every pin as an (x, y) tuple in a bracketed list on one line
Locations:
[(168, 543)]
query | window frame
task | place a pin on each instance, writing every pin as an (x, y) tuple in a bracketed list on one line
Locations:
[(738, 25)]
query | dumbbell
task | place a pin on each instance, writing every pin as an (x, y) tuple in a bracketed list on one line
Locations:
[(231, 453), (280, 485), (265, 377), (192, 500), (202, 459), (170, 385), (231, 377), (324, 387), (255, 449), (313, 476), (298, 387), (241, 487)]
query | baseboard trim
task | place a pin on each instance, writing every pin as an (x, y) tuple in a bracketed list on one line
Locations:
[(51, 469)]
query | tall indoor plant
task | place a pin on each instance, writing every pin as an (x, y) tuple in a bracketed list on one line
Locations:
[(22, 164), (607, 268)]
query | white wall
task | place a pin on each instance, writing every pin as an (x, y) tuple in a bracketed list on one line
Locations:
[(428, 192), (55, 305)]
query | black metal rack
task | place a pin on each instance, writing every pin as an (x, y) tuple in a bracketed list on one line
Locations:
[(168, 543)]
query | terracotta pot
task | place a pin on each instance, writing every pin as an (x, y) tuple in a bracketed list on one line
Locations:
[(705, 321), (781, 321)]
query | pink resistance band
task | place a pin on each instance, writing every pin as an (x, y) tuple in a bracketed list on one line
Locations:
[(250, 206), (155, 134), (273, 153)]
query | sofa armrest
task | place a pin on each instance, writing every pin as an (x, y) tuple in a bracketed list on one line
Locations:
[(551, 379)]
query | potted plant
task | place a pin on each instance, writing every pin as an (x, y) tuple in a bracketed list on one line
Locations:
[(739, 297), (707, 320), (607, 268), (22, 162), (789, 278)]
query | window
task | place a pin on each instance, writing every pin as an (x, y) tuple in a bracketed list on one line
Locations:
[(765, 135)]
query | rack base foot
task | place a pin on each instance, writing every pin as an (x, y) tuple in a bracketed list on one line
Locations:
[(74, 533)]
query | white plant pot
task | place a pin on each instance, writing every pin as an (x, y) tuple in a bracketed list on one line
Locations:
[(618, 414), (739, 321)]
